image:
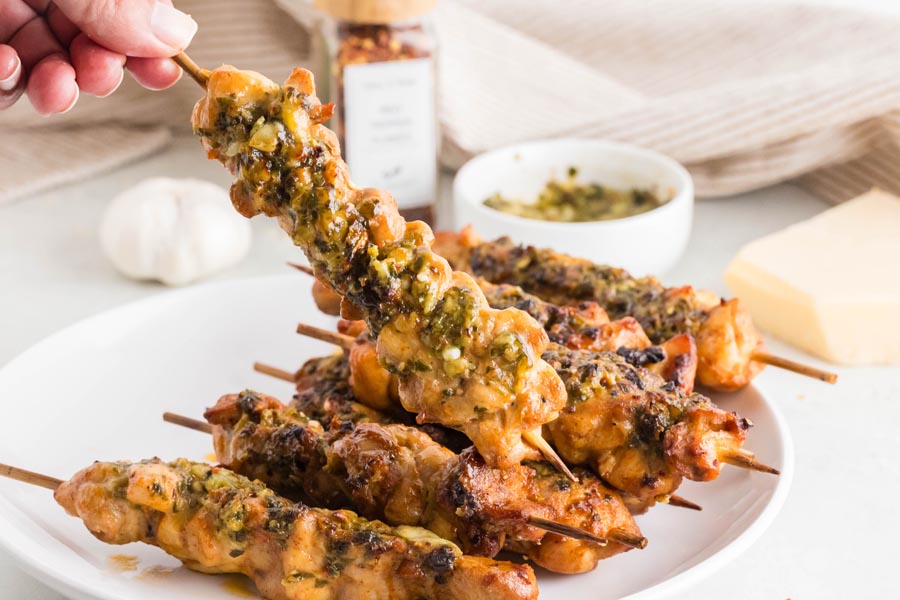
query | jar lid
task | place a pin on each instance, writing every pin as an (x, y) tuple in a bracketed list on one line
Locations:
[(375, 11)]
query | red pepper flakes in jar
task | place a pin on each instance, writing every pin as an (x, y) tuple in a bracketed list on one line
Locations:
[(383, 82)]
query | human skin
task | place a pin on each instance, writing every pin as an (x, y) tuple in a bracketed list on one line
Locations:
[(53, 51)]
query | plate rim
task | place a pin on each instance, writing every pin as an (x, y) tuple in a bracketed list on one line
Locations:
[(731, 551), (65, 584)]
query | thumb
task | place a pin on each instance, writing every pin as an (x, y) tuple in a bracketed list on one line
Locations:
[(142, 28)]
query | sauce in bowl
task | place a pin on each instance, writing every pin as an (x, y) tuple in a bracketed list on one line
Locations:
[(573, 202)]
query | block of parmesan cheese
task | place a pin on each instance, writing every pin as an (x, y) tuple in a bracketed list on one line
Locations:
[(829, 285)]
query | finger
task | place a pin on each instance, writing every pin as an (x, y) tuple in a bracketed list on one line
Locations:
[(51, 85), (145, 28), (154, 73), (13, 16), (98, 71), (34, 42), (64, 29), (38, 6), (12, 84)]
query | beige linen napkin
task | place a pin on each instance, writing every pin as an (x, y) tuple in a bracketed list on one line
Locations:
[(745, 93)]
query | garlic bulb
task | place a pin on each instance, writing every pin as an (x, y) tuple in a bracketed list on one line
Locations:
[(173, 230)]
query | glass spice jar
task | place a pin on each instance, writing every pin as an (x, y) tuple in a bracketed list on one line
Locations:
[(382, 66)]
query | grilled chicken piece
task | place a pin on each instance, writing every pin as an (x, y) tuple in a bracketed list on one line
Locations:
[(726, 337), (402, 476), (324, 394), (328, 301), (460, 363), (586, 326), (215, 521), (638, 432)]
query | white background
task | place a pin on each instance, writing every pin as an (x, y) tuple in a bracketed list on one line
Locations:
[(837, 536)]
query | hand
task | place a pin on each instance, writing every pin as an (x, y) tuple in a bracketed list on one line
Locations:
[(53, 50)]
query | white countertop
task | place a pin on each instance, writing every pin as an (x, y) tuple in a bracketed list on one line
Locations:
[(836, 537)]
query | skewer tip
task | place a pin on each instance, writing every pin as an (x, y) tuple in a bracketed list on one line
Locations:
[(274, 372), (196, 72), (631, 540), (302, 268), (188, 422), (566, 530), (537, 440), (332, 337), (794, 366), (746, 460), (683, 503), (30, 477)]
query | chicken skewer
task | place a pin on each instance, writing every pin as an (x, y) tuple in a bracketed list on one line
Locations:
[(731, 351), (380, 392), (325, 394), (546, 524), (585, 327), (450, 349), (215, 521), (639, 433), (400, 475), (339, 406)]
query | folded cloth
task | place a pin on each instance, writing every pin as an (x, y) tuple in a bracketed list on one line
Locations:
[(745, 93)]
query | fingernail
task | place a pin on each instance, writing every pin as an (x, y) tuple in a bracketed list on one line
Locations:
[(159, 89), (172, 27), (72, 103), (118, 85), (10, 83)]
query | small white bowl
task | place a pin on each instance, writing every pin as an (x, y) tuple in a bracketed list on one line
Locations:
[(648, 243)]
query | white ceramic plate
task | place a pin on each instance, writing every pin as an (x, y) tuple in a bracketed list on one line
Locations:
[(97, 390)]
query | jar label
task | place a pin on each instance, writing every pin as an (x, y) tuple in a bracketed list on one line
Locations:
[(390, 128)]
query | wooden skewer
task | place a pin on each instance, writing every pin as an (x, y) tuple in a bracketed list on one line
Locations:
[(345, 341), (332, 337), (566, 530), (683, 503), (302, 269), (274, 372), (537, 440), (197, 73), (796, 367), (188, 422), (51, 483), (560, 528), (746, 460), (763, 357), (38, 479), (628, 539)]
